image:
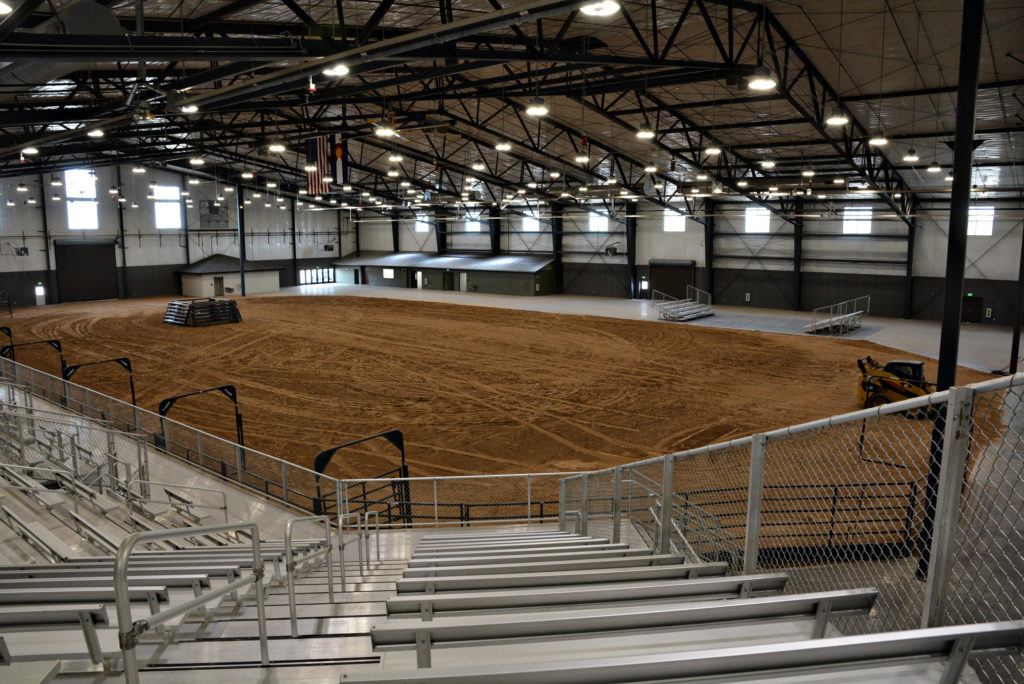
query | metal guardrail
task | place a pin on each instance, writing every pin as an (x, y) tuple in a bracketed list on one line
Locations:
[(129, 631), (343, 518), (849, 501), (840, 317), (291, 564)]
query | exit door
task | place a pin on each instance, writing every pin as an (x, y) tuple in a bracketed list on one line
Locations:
[(972, 310), (218, 286), (449, 280)]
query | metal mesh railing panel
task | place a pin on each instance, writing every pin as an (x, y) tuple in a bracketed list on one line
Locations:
[(711, 489), (641, 504), (986, 580), (600, 501), (842, 507)]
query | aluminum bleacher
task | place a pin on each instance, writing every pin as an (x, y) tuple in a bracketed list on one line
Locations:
[(108, 581)]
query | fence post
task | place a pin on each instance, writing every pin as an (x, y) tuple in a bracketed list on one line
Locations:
[(561, 504), (584, 504), (667, 495), (616, 504), (754, 493), (955, 449), (528, 493)]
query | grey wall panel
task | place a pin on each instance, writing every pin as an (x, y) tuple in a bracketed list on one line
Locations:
[(375, 276), (596, 279), (154, 281), (998, 295), (20, 285), (501, 283), (768, 289), (887, 292)]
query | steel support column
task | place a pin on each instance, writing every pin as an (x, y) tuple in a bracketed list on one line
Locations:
[(908, 282), (1018, 312), (394, 233), (709, 248), (295, 258), (494, 229), (631, 218), (122, 281), (557, 230), (441, 230), (949, 342), (798, 256), (241, 236)]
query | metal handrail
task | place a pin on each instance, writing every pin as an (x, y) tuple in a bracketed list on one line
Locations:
[(366, 535), (129, 632), (291, 565), (342, 517)]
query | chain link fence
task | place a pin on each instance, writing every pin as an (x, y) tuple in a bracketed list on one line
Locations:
[(923, 500)]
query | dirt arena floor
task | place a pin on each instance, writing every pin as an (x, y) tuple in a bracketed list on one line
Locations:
[(475, 390)]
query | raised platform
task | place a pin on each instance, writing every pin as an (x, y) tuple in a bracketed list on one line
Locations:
[(197, 312)]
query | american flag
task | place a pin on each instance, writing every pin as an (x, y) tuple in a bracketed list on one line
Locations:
[(320, 153)]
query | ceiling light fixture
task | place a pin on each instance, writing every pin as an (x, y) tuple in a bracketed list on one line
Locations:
[(807, 173), (741, 184), (650, 168), (837, 118), (479, 167), (247, 175), (113, 190), (537, 107), (395, 158), (309, 168), (337, 71), (5, 8), (95, 133), (189, 109), (502, 146), (30, 150), (55, 197), (138, 169), (762, 79), (713, 151), (645, 133), (934, 168), (22, 187), (877, 140), (196, 161), (767, 164), (384, 131), (949, 177), (193, 181), (838, 181), (303, 191), (393, 173), (582, 159), (276, 147), (702, 176), (56, 182), (911, 156), (553, 175), (603, 8), (271, 184)]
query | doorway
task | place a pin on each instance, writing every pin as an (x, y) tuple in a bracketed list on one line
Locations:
[(449, 280), (672, 277), (463, 281), (218, 286), (972, 310), (419, 280), (86, 270)]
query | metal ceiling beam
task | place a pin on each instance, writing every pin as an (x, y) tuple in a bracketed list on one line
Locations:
[(90, 48), (395, 46)]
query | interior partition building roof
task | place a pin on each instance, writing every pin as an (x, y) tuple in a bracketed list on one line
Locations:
[(424, 92), (451, 262), (222, 263)]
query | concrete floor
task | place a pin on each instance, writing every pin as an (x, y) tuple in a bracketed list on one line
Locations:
[(983, 347)]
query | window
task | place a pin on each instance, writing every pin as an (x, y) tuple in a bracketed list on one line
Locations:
[(757, 220), (531, 222), (80, 188), (674, 221), (388, 273), (472, 224), (167, 207), (857, 221), (422, 226), (979, 220), (312, 276), (598, 223)]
